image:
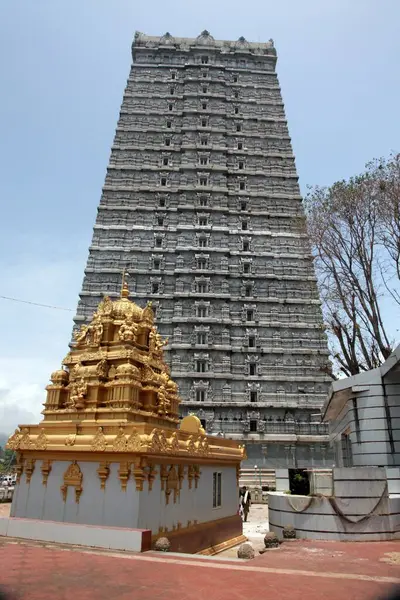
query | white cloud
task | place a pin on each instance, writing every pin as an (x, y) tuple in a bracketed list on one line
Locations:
[(22, 392)]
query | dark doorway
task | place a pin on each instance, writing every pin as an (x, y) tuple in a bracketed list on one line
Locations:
[(299, 483)]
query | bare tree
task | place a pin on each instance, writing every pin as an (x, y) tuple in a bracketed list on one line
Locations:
[(344, 227), (384, 177)]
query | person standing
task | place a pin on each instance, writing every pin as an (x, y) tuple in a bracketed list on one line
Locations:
[(245, 501)]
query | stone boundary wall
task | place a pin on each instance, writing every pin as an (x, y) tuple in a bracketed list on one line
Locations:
[(361, 508)]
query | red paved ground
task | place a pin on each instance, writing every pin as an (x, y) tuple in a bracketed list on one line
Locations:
[(297, 571)]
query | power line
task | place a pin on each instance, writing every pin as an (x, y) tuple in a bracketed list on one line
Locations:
[(35, 303)]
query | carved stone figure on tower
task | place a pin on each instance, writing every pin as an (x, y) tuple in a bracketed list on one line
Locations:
[(128, 329), (156, 343), (78, 391)]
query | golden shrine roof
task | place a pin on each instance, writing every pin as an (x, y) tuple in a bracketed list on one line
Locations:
[(115, 394)]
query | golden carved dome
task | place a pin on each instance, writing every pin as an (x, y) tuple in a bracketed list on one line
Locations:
[(60, 377), (128, 370), (123, 307), (172, 386)]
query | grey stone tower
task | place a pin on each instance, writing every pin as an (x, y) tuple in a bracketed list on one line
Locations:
[(202, 206)]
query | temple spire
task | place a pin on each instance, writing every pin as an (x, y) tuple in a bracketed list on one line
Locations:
[(124, 284)]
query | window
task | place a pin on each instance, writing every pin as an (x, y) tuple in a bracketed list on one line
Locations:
[(248, 291), (217, 490), (236, 110), (242, 185), (236, 94), (251, 341), (244, 225), (253, 396), (243, 205), (173, 75), (167, 141), (169, 124), (204, 122), (202, 263), (204, 160), (203, 221), (204, 89), (203, 423), (253, 425), (238, 127), (246, 246), (204, 141), (205, 73), (252, 371), (202, 311), (162, 202), (201, 366), (203, 201), (250, 315), (201, 337), (201, 287), (155, 288), (235, 79), (165, 162), (156, 264), (204, 106), (202, 242), (158, 242), (163, 181), (170, 106), (160, 221), (241, 164), (240, 146), (204, 60), (200, 395), (172, 91), (246, 268), (203, 181)]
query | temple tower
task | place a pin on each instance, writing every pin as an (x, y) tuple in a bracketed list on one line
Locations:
[(201, 205)]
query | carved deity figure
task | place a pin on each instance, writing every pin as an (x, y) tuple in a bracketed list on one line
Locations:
[(78, 391), (97, 331), (156, 343), (90, 334), (81, 335), (127, 331), (163, 401), (102, 369), (105, 307)]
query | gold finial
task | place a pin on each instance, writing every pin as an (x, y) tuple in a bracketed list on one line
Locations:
[(124, 286)]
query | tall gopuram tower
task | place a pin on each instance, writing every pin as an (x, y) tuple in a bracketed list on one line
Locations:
[(201, 206)]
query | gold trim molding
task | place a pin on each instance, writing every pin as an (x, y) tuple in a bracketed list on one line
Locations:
[(72, 478)]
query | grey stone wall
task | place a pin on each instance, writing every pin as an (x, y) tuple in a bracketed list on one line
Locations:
[(201, 204), (366, 431)]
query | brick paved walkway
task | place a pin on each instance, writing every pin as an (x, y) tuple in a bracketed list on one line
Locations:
[(297, 571)]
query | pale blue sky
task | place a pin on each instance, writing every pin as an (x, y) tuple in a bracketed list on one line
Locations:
[(63, 68)]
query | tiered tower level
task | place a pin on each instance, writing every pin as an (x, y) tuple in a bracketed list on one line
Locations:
[(201, 206)]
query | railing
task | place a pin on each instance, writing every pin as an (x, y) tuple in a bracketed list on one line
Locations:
[(276, 427)]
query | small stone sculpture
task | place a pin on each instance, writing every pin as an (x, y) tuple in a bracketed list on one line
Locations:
[(246, 551), (162, 545), (271, 540), (289, 532)]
